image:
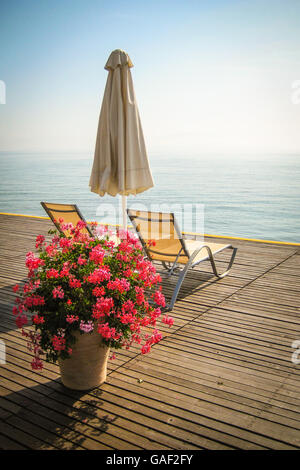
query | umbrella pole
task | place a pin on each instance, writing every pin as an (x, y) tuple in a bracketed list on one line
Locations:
[(124, 213)]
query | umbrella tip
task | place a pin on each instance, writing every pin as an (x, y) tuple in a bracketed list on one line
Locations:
[(117, 58)]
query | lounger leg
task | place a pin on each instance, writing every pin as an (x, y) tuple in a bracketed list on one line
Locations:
[(178, 285), (181, 279), (214, 267)]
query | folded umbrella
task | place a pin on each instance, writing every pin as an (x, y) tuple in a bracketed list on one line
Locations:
[(121, 164)]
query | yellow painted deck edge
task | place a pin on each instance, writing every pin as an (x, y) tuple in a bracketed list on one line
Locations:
[(24, 215), (185, 233), (244, 239)]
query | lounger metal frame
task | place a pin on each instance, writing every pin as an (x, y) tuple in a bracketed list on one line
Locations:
[(173, 266), (76, 210)]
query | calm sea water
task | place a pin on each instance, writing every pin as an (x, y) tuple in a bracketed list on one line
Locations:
[(255, 197)]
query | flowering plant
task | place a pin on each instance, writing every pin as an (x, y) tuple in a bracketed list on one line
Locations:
[(88, 283)]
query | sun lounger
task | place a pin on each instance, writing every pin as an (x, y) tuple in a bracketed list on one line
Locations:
[(171, 249)]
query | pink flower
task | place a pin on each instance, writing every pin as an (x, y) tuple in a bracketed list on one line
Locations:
[(65, 272), (59, 343), (71, 318), (101, 230), (55, 239), (106, 332), (81, 260), (52, 273), (58, 292), (99, 275), (21, 321), (66, 226), (139, 295), (97, 254), (157, 336), (51, 250), (120, 285), (39, 241), (159, 298), (127, 272), (168, 320), (130, 239), (146, 348), (16, 288), (32, 262), (37, 320), (103, 307), (127, 318), (98, 291), (65, 243), (126, 247), (75, 283), (37, 364), (15, 310), (34, 300), (109, 244), (86, 327), (80, 225)]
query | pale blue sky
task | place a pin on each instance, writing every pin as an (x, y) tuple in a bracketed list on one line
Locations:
[(209, 76)]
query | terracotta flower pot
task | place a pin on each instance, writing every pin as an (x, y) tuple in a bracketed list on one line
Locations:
[(87, 366)]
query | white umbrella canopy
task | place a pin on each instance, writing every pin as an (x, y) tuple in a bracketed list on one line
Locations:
[(120, 162)]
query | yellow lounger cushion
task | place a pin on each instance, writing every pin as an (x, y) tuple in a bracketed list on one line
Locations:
[(166, 247)]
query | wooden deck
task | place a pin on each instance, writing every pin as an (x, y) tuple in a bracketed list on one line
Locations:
[(222, 377)]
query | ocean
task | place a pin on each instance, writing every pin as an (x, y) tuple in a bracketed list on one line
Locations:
[(252, 197)]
